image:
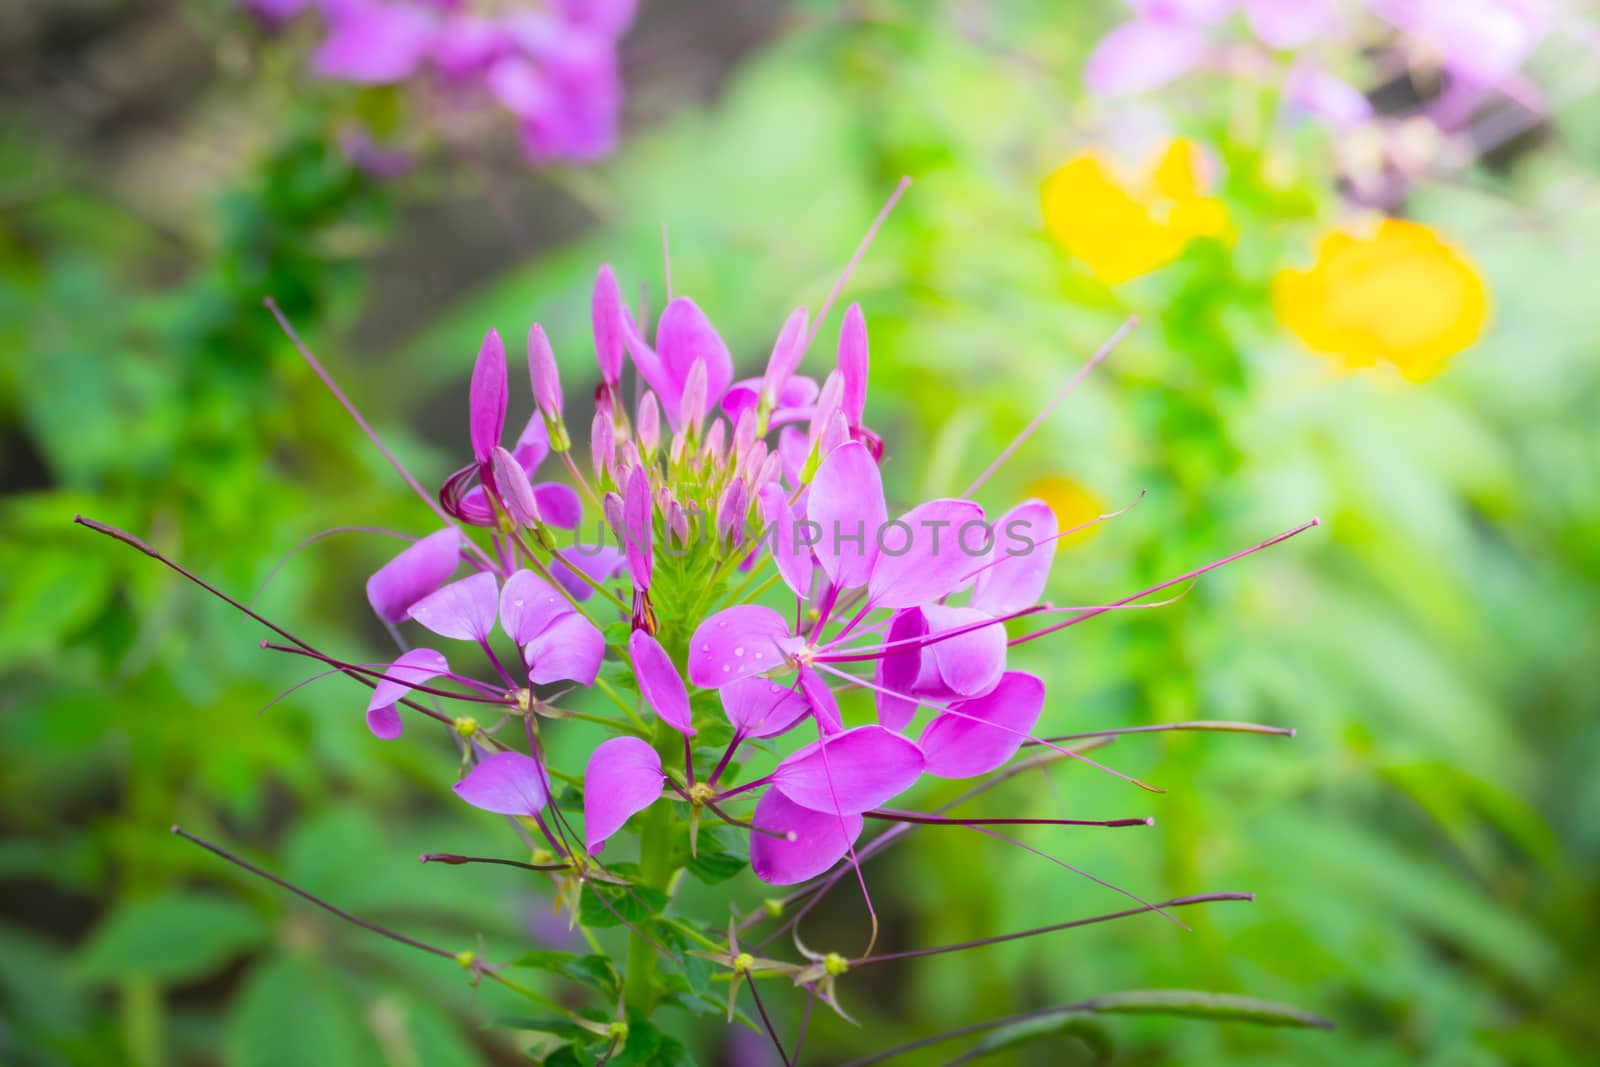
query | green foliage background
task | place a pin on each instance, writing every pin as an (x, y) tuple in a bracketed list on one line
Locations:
[(1425, 853)]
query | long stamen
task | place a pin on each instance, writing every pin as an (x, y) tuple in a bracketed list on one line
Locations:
[(1055, 402), (767, 1022), (1268, 543), (365, 672), (1080, 872), (313, 539), (457, 860), (855, 259), (1210, 725), (890, 815)]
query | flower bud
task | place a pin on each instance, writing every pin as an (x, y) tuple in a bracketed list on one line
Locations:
[(511, 483), (602, 443), (731, 510), (828, 401), (716, 442), (853, 364), (648, 428), (787, 352), (606, 316), (692, 409)]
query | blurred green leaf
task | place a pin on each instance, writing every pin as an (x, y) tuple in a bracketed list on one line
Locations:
[(295, 1014), (172, 937)]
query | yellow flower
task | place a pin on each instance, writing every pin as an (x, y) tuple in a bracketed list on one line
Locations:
[(1122, 230), (1072, 504), (1401, 295)]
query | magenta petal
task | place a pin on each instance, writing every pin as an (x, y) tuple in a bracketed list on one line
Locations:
[(1142, 55), (416, 667), (736, 643), (570, 649), (760, 707), (819, 840), (660, 683), (824, 705), (898, 669), (961, 743), (507, 783), (511, 483), (926, 553), (464, 610), (374, 43), (534, 444), (971, 663), (413, 574), (684, 335), (605, 312), (636, 527), (846, 502), (1289, 24), (851, 772), (623, 778), (529, 604), (487, 402), (1018, 567), (787, 352), (783, 532), (853, 363), (558, 505), (600, 562)]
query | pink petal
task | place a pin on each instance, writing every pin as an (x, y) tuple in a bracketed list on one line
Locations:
[(416, 667), (533, 445), (684, 335), (636, 532), (529, 604), (760, 707), (605, 314), (959, 747), (783, 531), (623, 778), (660, 683), (487, 398), (736, 643), (413, 574), (787, 351), (570, 649), (851, 772), (1289, 24), (971, 663), (924, 554), (820, 839), (1321, 95), (1142, 55), (506, 783), (821, 699), (464, 610), (511, 483), (898, 669), (375, 43), (600, 562), (558, 505), (853, 363), (846, 501), (1019, 565)]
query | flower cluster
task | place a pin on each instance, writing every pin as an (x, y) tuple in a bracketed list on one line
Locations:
[(553, 66)]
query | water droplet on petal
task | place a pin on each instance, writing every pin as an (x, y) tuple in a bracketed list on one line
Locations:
[(738, 652), (726, 668)]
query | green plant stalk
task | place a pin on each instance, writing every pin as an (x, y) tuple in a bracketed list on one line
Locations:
[(655, 870), (142, 1022)]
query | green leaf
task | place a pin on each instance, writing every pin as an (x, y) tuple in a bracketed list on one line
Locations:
[(635, 904), (595, 972), (415, 1033), (1091, 1033), (294, 1014), (173, 937), (1222, 1006)]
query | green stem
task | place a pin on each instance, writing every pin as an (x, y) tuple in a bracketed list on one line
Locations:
[(142, 1021), (655, 870)]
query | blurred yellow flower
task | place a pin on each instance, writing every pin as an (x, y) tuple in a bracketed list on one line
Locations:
[(1401, 295), (1123, 229), (1071, 503)]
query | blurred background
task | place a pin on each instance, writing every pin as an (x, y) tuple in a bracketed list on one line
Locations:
[(1425, 852)]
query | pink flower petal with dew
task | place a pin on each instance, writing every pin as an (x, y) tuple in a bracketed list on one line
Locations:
[(971, 663), (898, 669), (1014, 575), (956, 746), (570, 649), (413, 574), (684, 335), (846, 501), (558, 504), (506, 783), (416, 667), (853, 363), (819, 840), (636, 527), (736, 643), (851, 772), (1142, 55), (464, 610), (529, 604), (660, 683), (922, 555), (374, 43), (1287, 24), (783, 534), (623, 777), (821, 699), (487, 398), (760, 707)]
